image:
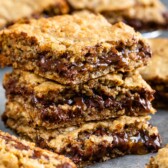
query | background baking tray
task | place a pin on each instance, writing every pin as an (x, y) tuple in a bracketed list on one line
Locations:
[(160, 119)]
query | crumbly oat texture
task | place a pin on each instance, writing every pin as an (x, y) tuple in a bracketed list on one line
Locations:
[(156, 73), (16, 153), (94, 141), (43, 102), (72, 49), (160, 160), (12, 10), (141, 14)]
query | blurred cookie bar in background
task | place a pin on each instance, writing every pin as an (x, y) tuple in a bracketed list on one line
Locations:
[(156, 73), (12, 10), (140, 14)]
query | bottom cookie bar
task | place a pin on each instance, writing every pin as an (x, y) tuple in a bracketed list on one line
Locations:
[(94, 141), (160, 160), (15, 153)]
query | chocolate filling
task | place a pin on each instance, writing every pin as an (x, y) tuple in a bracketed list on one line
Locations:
[(88, 108), (130, 141), (138, 143), (118, 56), (133, 102), (132, 107)]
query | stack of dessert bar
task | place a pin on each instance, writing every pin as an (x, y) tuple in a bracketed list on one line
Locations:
[(75, 90)]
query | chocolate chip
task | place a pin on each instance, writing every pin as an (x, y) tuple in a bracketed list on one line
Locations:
[(37, 154)]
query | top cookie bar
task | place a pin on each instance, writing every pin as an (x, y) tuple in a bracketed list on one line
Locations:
[(141, 14), (72, 49)]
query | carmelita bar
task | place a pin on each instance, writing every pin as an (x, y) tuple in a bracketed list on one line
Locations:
[(73, 49), (140, 14), (16, 153), (43, 102), (94, 141)]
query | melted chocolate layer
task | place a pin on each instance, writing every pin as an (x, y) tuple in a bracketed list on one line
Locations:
[(134, 102), (130, 141), (132, 106), (117, 56), (123, 143)]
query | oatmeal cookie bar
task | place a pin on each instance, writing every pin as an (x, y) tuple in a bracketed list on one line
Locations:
[(94, 141), (43, 102), (72, 49), (16, 153), (11, 10), (142, 15), (160, 160), (156, 73)]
